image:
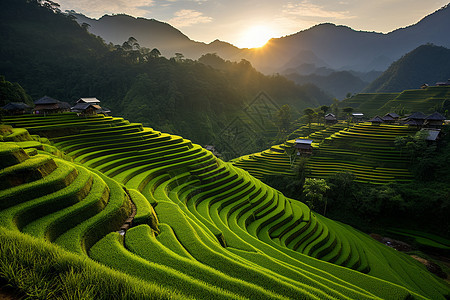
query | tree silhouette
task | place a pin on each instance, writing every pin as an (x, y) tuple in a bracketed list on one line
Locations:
[(314, 191)]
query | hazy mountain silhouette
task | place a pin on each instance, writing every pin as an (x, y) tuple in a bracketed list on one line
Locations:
[(325, 45), (151, 33)]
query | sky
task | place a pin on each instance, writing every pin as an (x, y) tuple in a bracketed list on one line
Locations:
[(250, 23)]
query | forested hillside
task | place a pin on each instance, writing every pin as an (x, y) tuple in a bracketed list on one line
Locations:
[(426, 64), (48, 53)]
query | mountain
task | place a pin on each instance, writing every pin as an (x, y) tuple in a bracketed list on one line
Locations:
[(324, 45), (338, 84), (151, 33), (426, 64), (343, 48)]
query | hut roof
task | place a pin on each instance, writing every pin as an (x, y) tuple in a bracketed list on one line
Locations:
[(433, 134), (388, 118), (303, 141), (376, 119), (392, 115), (84, 106), (417, 116), (414, 122), (330, 117), (88, 100), (16, 106), (46, 100), (436, 117)]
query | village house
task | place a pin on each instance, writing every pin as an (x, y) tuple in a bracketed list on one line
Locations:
[(330, 119), (377, 120), (303, 146), (390, 118), (434, 120), (415, 119), (443, 83), (47, 105), (16, 108), (87, 106), (357, 117)]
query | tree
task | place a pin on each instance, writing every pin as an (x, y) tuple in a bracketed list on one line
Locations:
[(348, 111), (155, 53), (309, 112), (335, 107), (314, 190), (283, 119), (179, 56), (12, 92)]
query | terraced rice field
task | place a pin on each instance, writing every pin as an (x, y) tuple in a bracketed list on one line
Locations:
[(424, 100), (201, 226), (278, 161), (365, 150)]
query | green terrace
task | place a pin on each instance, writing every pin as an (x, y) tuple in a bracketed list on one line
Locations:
[(168, 214), (424, 100), (365, 150)]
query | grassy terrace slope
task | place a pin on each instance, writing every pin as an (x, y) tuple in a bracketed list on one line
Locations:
[(425, 100), (364, 149), (204, 227)]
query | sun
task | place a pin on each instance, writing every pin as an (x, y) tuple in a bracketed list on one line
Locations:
[(255, 37)]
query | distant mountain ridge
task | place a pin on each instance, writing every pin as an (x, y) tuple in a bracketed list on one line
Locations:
[(152, 33), (323, 45)]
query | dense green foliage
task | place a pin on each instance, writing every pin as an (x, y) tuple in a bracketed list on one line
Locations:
[(426, 64), (50, 54), (12, 92)]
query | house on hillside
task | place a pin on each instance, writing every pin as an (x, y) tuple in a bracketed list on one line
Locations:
[(390, 118), (443, 83), (377, 120), (87, 106), (48, 105), (357, 117), (434, 120), (415, 119), (303, 146), (330, 119), (16, 108), (433, 134)]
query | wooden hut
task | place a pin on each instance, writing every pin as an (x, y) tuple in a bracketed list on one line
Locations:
[(434, 120), (433, 134), (48, 105), (87, 106), (16, 108), (303, 146), (330, 119), (415, 119), (377, 120), (390, 118), (357, 117)]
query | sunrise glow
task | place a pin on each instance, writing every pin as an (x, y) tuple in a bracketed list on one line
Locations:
[(255, 37)]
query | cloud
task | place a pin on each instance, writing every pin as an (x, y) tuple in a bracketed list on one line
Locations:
[(308, 9), (98, 8), (188, 17)]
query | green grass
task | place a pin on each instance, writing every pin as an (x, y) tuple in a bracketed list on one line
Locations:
[(40, 270)]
